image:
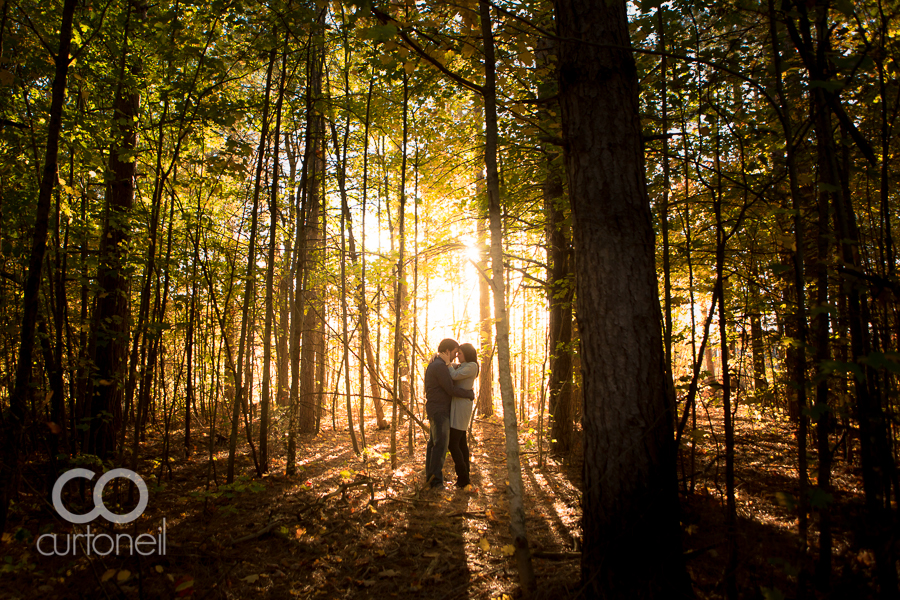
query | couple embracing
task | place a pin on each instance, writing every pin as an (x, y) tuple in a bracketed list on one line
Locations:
[(449, 400)]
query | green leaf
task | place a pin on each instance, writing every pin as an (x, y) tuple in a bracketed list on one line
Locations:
[(828, 367), (819, 498), (380, 33), (786, 500), (879, 360)]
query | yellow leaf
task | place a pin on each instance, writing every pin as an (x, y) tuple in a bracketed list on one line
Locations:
[(409, 67), (251, 578), (484, 544), (159, 568), (124, 575), (108, 575), (508, 550)]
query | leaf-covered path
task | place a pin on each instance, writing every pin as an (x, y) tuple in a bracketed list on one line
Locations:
[(345, 527), (341, 528)]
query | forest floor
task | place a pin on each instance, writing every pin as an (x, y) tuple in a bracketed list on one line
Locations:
[(345, 527)]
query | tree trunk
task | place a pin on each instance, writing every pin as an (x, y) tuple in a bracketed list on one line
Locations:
[(111, 322), (507, 394), (400, 294), (560, 292), (270, 276), (310, 385), (630, 493), (242, 384), (485, 401)]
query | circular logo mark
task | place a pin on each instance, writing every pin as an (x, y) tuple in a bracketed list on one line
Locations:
[(100, 508)]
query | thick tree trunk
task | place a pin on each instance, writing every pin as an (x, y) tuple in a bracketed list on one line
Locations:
[(112, 319), (311, 352), (630, 493)]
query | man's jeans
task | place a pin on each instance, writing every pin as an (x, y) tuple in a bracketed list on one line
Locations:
[(436, 450)]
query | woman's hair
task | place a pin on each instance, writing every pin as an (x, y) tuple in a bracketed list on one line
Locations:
[(469, 352)]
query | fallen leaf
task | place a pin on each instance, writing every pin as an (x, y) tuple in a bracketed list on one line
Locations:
[(431, 554), (124, 575), (388, 573), (250, 578), (184, 586), (108, 575), (484, 544), (159, 568), (508, 550)]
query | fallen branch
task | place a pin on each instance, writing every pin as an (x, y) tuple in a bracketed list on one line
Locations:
[(465, 513), (260, 533), (342, 490)]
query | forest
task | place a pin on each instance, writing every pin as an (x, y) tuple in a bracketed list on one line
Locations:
[(234, 232)]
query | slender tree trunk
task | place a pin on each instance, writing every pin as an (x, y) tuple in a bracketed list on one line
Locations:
[(630, 490), (189, 401), (485, 401), (560, 295), (242, 385), (401, 283), (514, 470), (270, 275), (731, 566), (364, 344)]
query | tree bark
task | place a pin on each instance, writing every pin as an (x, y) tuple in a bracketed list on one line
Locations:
[(507, 394), (111, 323), (270, 276), (561, 293), (630, 493)]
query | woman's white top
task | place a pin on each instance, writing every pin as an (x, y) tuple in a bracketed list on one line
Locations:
[(464, 376)]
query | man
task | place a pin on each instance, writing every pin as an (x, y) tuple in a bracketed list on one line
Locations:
[(439, 389)]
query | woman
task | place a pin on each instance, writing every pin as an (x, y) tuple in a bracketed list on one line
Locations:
[(463, 375)]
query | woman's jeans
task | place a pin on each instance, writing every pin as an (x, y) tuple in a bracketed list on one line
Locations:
[(459, 450)]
